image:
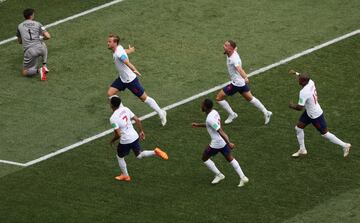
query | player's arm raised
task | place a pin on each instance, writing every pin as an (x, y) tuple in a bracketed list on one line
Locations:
[(226, 138), (132, 67), (130, 49), (242, 72), (294, 72), (139, 126)]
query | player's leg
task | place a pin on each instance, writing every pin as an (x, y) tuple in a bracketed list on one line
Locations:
[(246, 93), (29, 63), (122, 151), (112, 91), (115, 87), (137, 89), (220, 98), (42, 51), (226, 151), (209, 152), (139, 153), (300, 135), (321, 125)]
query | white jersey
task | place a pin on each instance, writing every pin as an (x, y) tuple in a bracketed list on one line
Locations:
[(232, 62), (121, 119), (308, 98), (125, 73), (212, 126)]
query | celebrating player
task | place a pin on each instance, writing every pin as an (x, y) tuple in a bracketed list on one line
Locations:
[(220, 142), (129, 138), (30, 34), (239, 83), (313, 113), (128, 77)]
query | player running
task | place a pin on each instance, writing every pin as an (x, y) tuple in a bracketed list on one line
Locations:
[(313, 114), (30, 34), (121, 122), (220, 142), (239, 83), (128, 77)]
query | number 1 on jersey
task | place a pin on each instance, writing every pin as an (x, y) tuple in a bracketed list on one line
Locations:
[(30, 34)]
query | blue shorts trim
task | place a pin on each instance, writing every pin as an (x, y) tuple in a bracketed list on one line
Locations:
[(134, 86), (232, 89), (319, 123), (209, 151), (124, 149)]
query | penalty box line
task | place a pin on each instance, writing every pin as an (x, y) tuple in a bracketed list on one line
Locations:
[(189, 99)]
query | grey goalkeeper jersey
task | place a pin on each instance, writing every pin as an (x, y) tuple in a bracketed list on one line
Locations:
[(29, 31)]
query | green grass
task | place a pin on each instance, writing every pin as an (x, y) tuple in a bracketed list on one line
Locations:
[(78, 186), (177, 48), (46, 12), (179, 53)]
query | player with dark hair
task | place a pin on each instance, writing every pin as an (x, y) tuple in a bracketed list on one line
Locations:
[(121, 122), (239, 83), (128, 76), (220, 142), (313, 114), (31, 34)]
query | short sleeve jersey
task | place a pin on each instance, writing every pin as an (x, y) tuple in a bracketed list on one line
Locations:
[(30, 31), (308, 98), (213, 124), (121, 119), (232, 62), (125, 73)]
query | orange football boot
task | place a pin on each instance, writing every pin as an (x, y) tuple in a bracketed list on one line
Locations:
[(123, 178), (161, 153)]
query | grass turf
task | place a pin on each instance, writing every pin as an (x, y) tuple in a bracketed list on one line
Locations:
[(177, 49), (78, 186)]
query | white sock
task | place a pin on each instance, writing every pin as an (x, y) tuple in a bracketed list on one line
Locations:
[(122, 165), (300, 137), (259, 105), (146, 153), (211, 165), (237, 168), (226, 106), (152, 103), (332, 138)]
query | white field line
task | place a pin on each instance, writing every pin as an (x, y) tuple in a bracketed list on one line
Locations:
[(192, 98), (70, 18), (12, 163)]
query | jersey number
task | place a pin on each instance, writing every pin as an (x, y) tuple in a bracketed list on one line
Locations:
[(126, 120), (30, 34), (315, 97)]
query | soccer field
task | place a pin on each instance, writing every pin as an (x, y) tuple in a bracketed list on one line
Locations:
[(179, 52)]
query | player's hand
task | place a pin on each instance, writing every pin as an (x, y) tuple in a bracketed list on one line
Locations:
[(112, 144), (130, 49), (194, 124), (246, 80), (142, 135), (293, 72), (291, 104), (231, 145), (137, 73)]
